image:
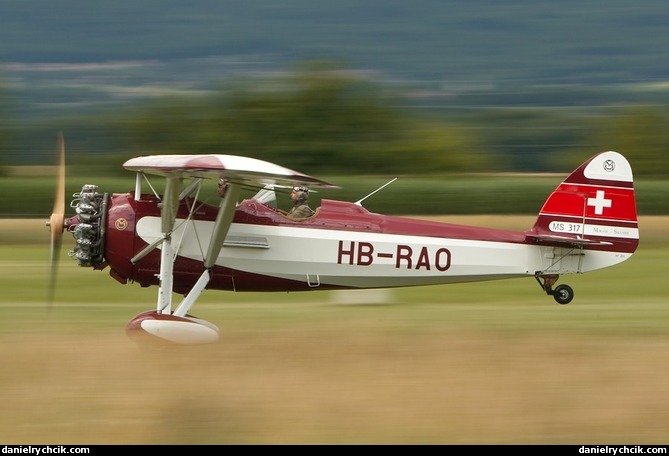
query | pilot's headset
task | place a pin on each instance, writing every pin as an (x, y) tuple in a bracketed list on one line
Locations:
[(302, 193)]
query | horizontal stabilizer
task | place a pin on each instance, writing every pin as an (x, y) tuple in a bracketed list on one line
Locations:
[(553, 239)]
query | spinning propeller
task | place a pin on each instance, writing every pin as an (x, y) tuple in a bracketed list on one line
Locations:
[(56, 222)]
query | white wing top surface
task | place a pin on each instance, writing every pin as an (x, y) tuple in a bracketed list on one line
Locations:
[(242, 170)]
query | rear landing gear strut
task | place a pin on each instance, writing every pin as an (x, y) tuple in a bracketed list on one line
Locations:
[(563, 294)]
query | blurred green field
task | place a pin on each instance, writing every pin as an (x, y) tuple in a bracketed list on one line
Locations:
[(486, 363), (28, 192)]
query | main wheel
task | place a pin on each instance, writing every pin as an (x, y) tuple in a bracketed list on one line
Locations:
[(563, 294)]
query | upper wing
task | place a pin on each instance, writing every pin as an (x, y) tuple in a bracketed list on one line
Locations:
[(240, 170)]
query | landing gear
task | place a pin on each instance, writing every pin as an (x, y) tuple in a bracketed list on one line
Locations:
[(563, 294), (187, 330)]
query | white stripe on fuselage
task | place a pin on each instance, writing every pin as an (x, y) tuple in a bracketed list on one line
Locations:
[(591, 229), (359, 259)]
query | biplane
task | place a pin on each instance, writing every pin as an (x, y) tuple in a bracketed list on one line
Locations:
[(183, 246)]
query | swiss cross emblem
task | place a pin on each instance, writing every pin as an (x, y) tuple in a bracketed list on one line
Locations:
[(599, 202)]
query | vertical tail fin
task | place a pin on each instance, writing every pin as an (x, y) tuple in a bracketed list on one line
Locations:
[(594, 207)]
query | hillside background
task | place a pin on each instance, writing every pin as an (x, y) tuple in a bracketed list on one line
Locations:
[(371, 87)]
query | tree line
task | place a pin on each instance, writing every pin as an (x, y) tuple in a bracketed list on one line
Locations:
[(323, 120)]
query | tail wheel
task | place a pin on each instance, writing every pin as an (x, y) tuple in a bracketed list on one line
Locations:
[(563, 294)]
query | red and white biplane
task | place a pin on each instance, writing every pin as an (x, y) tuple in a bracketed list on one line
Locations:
[(184, 246)]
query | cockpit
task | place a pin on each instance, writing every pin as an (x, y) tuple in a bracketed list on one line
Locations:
[(267, 196)]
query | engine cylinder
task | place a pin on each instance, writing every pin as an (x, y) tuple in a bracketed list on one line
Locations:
[(91, 208)]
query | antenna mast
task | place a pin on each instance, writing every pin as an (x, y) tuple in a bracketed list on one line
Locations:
[(359, 202)]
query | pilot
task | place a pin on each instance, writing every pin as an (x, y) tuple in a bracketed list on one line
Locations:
[(300, 208)]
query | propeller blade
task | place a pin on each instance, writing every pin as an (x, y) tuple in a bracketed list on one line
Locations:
[(56, 222)]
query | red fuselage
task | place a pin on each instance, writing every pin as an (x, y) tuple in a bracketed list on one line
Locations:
[(121, 242)]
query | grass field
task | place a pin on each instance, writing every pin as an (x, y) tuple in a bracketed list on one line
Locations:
[(489, 363)]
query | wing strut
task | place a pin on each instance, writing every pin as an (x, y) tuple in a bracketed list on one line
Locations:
[(168, 215), (224, 218), (222, 224)]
